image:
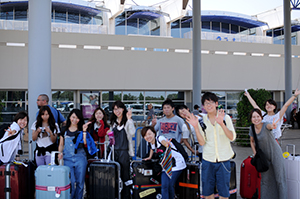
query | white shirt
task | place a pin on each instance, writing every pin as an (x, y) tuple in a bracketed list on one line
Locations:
[(269, 118), (180, 163), (186, 133), (44, 141)]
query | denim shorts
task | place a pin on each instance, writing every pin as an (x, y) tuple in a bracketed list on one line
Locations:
[(216, 174)]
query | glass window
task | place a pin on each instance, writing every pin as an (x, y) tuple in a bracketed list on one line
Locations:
[(120, 25), (60, 16), (155, 96), (11, 102), (173, 95), (133, 96), (98, 20), (85, 19), (206, 26), (234, 29), (132, 26), (155, 27), (21, 15), (216, 26), (73, 17), (6, 13), (63, 101), (89, 101), (233, 95), (175, 28), (225, 27)]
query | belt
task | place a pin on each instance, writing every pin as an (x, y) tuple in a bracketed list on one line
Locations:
[(57, 190)]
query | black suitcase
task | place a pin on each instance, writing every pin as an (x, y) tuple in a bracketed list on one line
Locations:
[(105, 180), (90, 161), (189, 181), (146, 182)]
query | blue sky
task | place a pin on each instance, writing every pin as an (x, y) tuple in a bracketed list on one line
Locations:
[(248, 7)]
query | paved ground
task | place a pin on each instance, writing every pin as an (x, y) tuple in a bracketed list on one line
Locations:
[(290, 136)]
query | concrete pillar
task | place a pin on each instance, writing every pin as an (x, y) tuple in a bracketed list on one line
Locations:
[(39, 55), (197, 52), (287, 53)]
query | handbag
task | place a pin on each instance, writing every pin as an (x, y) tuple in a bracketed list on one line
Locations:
[(259, 161)]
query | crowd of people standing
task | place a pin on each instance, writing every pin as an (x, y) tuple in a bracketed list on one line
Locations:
[(211, 133)]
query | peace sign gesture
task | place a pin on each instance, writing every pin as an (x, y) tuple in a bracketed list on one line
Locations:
[(274, 124)]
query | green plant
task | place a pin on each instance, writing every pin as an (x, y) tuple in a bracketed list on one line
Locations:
[(244, 107)]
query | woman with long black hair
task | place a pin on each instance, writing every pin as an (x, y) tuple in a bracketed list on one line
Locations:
[(44, 132), (99, 127), (123, 128), (74, 144)]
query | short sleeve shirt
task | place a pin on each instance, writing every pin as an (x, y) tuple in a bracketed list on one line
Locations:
[(170, 127), (269, 118), (180, 163), (44, 141)]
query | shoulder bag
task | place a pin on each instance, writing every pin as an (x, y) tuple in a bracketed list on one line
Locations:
[(259, 161)]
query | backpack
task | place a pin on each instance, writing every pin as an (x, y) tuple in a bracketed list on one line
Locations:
[(179, 149), (3, 127)]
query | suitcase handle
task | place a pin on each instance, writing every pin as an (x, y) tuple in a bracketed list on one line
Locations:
[(106, 143), (294, 150), (120, 185), (53, 154)]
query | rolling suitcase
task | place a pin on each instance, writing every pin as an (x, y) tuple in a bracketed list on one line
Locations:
[(146, 182), (13, 181), (90, 161), (189, 181), (249, 180), (52, 181), (105, 179), (292, 166)]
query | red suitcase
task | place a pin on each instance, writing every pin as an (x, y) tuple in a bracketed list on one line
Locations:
[(13, 181), (250, 180)]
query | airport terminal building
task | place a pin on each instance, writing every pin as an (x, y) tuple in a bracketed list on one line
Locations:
[(110, 50)]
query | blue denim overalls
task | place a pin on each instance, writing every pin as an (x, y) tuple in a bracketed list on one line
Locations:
[(77, 163)]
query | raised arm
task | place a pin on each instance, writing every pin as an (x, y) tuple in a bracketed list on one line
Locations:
[(288, 103), (193, 120), (251, 100)]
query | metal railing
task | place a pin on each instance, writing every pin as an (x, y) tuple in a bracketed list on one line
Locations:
[(231, 37), (56, 27)]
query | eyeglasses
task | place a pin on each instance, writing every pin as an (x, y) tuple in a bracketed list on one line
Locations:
[(209, 103), (117, 109)]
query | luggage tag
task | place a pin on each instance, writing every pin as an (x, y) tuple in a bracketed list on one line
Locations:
[(145, 172)]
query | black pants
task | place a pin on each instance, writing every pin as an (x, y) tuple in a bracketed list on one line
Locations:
[(123, 158)]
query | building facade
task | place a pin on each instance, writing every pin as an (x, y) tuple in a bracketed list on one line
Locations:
[(143, 55)]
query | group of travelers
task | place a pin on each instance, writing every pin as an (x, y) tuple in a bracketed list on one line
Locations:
[(211, 133)]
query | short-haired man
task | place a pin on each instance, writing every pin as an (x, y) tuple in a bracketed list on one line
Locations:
[(188, 131), (150, 114), (196, 110), (170, 125), (217, 150), (43, 100)]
